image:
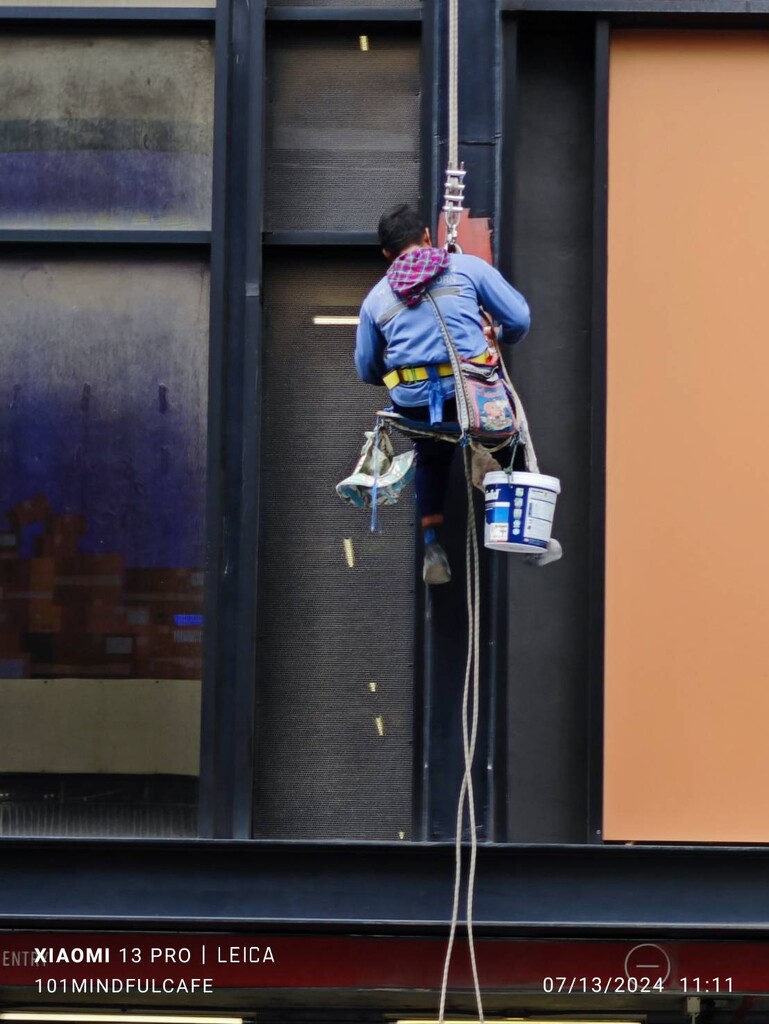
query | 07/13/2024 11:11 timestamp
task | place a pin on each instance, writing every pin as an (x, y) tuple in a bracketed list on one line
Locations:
[(698, 986)]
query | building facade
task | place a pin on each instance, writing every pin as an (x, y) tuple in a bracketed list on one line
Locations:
[(231, 746)]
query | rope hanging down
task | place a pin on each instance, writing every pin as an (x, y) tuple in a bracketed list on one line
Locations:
[(453, 198), (470, 710), (453, 83)]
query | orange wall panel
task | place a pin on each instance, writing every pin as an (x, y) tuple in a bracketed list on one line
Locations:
[(687, 538)]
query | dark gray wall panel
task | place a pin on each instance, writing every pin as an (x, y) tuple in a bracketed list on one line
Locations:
[(342, 127), (335, 641), (550, 252)]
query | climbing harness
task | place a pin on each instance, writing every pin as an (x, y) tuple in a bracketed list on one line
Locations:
[(460, 432), (412, 374)]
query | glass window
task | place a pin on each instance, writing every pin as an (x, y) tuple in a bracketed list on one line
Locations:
[(102, 481), (113, 3), (98, 132)]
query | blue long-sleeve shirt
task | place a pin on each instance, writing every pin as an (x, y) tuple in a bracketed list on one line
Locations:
[(391, 335)]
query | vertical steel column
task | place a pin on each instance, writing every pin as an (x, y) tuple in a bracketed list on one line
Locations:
[(429, 185), (598, 435), (504, 208), (445, 611), (233, 445)]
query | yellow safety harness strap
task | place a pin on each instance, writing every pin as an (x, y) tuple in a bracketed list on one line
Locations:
[(412, 374)]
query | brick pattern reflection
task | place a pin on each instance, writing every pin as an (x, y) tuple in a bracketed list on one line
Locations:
[(65, 613)]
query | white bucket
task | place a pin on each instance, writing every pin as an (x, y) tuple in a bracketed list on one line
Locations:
[(519, 511)]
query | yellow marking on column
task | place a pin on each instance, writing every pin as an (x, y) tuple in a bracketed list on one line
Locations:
[(349, 554)]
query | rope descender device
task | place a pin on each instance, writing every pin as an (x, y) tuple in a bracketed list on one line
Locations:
[(453, 197)]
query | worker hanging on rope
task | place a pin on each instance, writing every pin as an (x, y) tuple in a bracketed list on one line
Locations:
[(400, 341)]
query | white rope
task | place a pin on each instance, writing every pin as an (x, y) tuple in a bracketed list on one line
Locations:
[(469, 738), (523, 424), (453, 83), (475, 624), (452, 210)]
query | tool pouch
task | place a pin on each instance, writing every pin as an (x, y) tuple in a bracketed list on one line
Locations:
[(490, 406)]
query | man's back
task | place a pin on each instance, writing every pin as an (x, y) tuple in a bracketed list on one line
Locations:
[(392, 334)]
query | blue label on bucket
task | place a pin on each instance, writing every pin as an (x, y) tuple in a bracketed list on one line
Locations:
[(519, 515), (498, 512)]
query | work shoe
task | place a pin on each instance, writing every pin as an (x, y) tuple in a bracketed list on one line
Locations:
[(552, 553), (435, 568)]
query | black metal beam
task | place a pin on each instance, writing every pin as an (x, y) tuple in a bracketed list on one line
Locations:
[(494, 599), (446, 640), (233, 477), (77, 236), (548, 890), (681, 14), (505, 259), (428, 188), (597, 599), (250, 207), (365, 15), (445, 614), (546, 239), (703, 7), (135, 14), (212, 754)]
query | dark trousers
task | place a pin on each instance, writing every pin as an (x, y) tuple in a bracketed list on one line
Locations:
[(434, 458)]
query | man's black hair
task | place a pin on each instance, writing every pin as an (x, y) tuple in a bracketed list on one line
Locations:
[(399, 228)]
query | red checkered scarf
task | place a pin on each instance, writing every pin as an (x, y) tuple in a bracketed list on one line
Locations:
[(410, 274)]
